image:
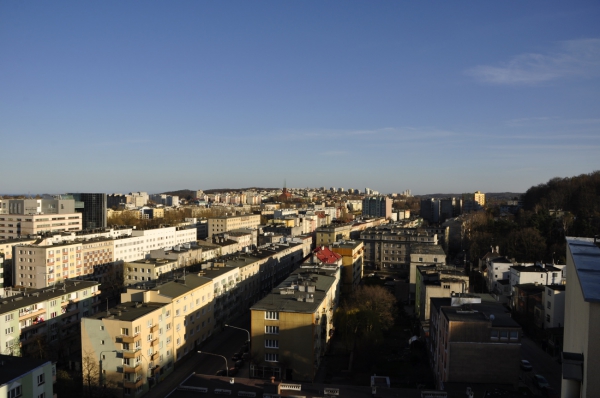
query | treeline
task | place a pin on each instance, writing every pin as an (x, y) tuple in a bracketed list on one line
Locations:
[(551, 211)]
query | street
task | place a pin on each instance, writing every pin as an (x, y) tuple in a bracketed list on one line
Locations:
[(542, 363), (226, 342)]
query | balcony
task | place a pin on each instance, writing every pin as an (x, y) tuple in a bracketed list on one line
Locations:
[(155, 370), (130, 353), (129, 339), (154, 356), (154, 329), (133, 384), (154, 342), (132, 368)]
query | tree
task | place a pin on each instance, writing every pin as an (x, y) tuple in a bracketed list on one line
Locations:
[(90, 370), (367, 313)]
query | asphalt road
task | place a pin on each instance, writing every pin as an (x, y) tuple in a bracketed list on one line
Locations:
[(542, 363), (225, 342)]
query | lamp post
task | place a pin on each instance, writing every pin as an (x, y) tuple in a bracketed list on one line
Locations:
[(245, 330), (217, 355), (100, 363)]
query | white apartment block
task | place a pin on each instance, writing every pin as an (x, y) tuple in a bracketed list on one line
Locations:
[(227, 223), (554, 306), (141, 271), (497, 269), (16, 225), (530, 273), (139, 245)]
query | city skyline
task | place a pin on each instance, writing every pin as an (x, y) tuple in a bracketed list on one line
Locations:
[(119, 97)]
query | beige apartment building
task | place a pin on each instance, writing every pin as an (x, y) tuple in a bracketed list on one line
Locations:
[(218, 225), (352, 263), (141, 271), (138, 342), (332, 233), (436, 282), (17, 225), (41, 266), (6, 246), (291, 327)]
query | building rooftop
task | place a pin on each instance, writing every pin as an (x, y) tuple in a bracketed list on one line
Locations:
[(326, 255), (427, 249), (287, 297), (485, 311), (531, 287), (35, 296), (12, 368), (128, 311), (586, 259), (152, 262), (535, 268)]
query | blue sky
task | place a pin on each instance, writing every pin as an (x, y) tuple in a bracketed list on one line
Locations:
[(429, 96)]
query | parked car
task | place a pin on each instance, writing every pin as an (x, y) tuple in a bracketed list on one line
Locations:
[(221, 372), (237, 356), (541, 381), (233, 371), (525, 365), (239, 364)]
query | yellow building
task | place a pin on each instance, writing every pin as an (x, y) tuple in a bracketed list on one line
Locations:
[(217, 225), (477, 197), (332, 233), (137, 343), (291, 327), (352, 263)]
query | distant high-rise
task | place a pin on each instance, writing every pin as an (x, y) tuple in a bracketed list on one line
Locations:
[(377, 206), (92, 207)]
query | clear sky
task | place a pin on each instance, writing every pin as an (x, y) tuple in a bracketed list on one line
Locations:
[(120, 96)]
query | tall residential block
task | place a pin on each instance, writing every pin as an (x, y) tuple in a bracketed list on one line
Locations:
[(377, 206), (227, 223), (93, 207)]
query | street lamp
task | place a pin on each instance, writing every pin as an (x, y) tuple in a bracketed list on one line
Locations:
[(235, 327), (217, 355), (100, 360)]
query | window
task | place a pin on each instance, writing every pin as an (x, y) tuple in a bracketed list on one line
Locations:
[(549, 305), (8, 317), (549, 292), (101, 342), (272, 343), (274, 315), (9, 330), (503, 334), (514, 335), (548, 318), (15, 392), (270, 357), (495, 334), (42, 395), (268, 329), (41, 379)]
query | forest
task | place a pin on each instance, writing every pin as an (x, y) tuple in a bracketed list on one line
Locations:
[(550, 212)]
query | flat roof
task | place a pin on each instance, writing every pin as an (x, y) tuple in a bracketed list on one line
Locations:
[(128, 311), (289, 302), (586, 259), (35, 296), (12, 368), (420, 248)]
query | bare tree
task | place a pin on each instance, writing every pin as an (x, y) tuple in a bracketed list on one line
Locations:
[(90, 370)]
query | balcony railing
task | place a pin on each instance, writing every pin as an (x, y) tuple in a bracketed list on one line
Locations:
[(133, 384), (130, 353), (132, 368), (130, 339), (154, 342), (154, 328)]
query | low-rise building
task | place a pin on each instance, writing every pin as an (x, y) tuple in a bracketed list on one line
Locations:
[(227, 223), (435, 282), (141, 271), (424, 254)]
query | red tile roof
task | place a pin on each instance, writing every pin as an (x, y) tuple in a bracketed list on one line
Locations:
[(326, 256)]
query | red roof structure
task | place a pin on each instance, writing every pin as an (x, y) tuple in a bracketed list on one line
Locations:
[(325, 255)]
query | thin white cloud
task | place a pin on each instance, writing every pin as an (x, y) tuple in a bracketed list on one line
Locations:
[(570, 58)]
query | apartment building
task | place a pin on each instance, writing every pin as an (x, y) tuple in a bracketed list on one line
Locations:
[(26, 377), (143, 241), (424, 254), (497, 269), (47, 315), (142, 271), (472, 342), (352, 253), (6, 245), (138, 342), (41, 266), (185, 255), (92, 207), (332, 233), (434, 282), (581, 347), (536, 274), (17, 225), (291, 327), (377, 206), (554, 307), (389, 246), (227, 223)]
